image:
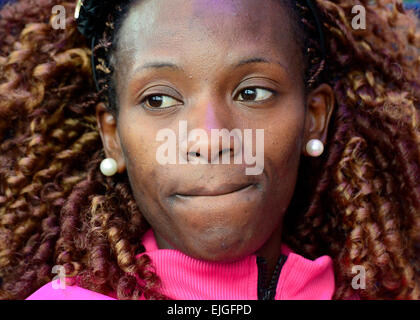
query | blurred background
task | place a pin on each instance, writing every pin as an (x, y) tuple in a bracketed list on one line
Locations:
[(413, 4)]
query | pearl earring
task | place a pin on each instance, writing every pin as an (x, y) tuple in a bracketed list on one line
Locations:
[(314, 147), (108, 167)]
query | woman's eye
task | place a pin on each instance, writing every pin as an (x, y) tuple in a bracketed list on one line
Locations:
[(159, 101), (255, 94)]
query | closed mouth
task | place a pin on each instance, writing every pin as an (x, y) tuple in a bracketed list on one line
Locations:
[(223, 190)]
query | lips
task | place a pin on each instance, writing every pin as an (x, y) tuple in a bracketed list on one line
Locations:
[(220, 190)]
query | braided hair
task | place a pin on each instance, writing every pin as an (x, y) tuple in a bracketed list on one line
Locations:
[(359, 203)]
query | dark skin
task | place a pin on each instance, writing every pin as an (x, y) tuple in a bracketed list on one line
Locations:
[(209, 211)]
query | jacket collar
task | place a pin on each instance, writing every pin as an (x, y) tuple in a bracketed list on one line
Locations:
[(186, 278)]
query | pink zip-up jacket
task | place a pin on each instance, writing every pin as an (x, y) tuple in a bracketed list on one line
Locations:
[(186, 278)]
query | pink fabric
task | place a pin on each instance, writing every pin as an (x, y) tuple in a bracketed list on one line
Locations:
[(185, 278), (48, 292)]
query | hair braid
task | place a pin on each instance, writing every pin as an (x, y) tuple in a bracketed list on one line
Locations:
[(361, 207)]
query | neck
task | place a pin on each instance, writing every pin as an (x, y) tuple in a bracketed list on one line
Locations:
[(270, 250), (186, 278)]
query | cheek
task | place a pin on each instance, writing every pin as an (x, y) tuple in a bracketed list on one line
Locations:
[(283, 148), (284, 145), (146, 176), (284, 132), (139, 146)]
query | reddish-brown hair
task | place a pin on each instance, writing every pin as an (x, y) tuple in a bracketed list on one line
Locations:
[(361, 205)]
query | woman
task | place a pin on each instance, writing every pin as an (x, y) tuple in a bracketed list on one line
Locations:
[(338, 189)]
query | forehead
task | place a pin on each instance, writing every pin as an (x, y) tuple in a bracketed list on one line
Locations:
[(206, 28)]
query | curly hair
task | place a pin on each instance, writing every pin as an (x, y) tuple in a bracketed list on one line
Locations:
[(359, 203)]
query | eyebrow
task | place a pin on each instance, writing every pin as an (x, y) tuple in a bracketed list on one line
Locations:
[(157, 65), (163, 64), (254, 60)]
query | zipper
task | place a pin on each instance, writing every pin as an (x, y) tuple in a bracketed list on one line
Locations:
[(267, 291)]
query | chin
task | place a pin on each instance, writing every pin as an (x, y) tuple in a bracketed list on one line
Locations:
[(219, 248)]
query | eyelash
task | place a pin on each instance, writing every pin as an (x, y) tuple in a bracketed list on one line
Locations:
[(273, 93), (146, 98)]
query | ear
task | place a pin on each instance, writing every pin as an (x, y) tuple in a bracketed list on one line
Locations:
[(107, 125), (320, 106)]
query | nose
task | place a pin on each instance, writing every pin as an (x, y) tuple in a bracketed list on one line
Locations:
[(211, 136)]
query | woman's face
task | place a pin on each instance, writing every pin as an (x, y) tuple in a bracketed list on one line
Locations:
[(194, 60)]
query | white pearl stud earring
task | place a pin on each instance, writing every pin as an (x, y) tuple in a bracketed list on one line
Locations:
[(108, 167), (314, 147)]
